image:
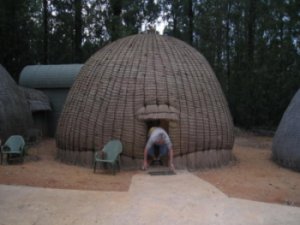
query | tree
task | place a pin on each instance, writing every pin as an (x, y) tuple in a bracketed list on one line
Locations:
[(252, 45), (17, 31), (78, 31), (46, 31), (190, 14), (115, 20), (176, 13)]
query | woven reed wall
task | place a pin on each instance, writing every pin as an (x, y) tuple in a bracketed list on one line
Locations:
[(118, 84), (286, 142), (15, 115)]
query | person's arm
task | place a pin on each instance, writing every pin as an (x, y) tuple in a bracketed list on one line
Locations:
[(148, 145), (171, 165), (171, 153), (145, 164)]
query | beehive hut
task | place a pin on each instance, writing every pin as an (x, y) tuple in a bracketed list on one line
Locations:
[(15, 115), (53, 80), (286, 142), (142, 80)]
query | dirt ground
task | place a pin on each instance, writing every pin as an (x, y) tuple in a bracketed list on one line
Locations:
[(252, 176)]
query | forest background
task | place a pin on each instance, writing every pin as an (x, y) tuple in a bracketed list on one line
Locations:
[(252, 45)]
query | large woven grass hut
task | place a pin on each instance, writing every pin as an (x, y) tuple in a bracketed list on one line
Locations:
[(286, 142), (15, 115), (140, 81)]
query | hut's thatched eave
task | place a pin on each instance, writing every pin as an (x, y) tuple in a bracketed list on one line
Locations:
[(154, 112), (37, 100)]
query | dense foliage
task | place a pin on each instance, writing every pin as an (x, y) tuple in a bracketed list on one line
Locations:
[(253, 45)]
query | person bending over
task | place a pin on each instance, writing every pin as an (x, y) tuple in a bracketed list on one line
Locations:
[(158, 138)]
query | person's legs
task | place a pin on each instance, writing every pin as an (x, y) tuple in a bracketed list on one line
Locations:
[(151, 151), (163, 150)]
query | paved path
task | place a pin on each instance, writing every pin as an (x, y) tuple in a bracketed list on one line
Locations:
[(180, 199)]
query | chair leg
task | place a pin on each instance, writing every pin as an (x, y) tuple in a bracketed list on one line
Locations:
[(114, 169), (119, 165), (95, 164), (22, 157), (105, 165)]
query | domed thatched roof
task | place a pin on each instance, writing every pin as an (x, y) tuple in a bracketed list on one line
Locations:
[(140, 79), (15, 116), (286, 142)]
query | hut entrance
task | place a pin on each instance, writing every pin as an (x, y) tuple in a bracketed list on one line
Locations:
[(158, 115), (158, 123)]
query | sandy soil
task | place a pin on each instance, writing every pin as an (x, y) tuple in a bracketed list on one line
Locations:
[(252, 176), (41, 169)]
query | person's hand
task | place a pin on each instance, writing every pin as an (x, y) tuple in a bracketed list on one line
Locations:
[(171, 166)]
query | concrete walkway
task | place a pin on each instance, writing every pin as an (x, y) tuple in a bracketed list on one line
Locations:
[(179, 199)]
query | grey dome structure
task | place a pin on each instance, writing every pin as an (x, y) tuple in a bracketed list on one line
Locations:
[(286, 142), (54, 81), (15, 114), (140, 81)]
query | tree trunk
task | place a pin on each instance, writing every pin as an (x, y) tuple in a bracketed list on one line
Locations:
[(175, 10), (228, 46), (46, 30), (191, 22), (251, 32), (78, 31), (116, 19)]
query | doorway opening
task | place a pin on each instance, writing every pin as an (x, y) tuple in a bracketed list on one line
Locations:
[(157, 123), (164, 124)]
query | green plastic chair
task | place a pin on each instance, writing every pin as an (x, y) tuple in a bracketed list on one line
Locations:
[(14, 146), (112, 151)]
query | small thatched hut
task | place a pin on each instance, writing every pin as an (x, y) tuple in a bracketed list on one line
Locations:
[(136, 82), (53, 80), (286, 142), (15, 115), (40, 108)]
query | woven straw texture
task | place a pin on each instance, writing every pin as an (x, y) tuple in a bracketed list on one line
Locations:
[(140, 78), (15, 115), (36, 99), (286, 142)]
